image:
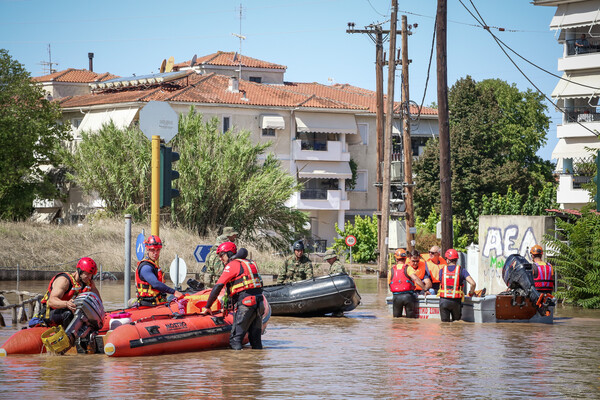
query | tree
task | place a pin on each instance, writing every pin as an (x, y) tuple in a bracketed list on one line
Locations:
[(365, 232), (30, 136), (115, 163), (225, 179), (495, 132)]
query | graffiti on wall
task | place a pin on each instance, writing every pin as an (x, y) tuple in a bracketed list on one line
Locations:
[(499, 244)]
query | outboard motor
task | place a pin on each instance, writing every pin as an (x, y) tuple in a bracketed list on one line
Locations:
[(518, 276)]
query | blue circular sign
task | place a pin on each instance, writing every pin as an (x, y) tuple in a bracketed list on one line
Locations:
[(140, 247)]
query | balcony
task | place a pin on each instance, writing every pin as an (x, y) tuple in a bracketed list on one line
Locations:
[(585, 58), (319, 150), (570, 192), (319, 199), (576, 116)]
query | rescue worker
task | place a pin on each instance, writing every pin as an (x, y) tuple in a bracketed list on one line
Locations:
[(402, 285), (420, 267), (244, 289), (435, 262), (452, 283), (57, 305), (335, 265), (213, 266), (543, 273), (400, 256), (150, 279), (296, 267)]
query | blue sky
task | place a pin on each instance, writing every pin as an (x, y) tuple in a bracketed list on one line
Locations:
[(308, 36)]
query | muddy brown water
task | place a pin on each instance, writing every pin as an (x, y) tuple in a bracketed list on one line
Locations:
[(365, 355)]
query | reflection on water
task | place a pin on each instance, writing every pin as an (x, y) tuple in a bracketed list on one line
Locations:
[(366, 355)]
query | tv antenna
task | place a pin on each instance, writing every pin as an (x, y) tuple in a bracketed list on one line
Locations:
[(47, 65), (240, 37)]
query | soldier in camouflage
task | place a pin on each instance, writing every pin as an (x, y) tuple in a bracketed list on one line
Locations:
[(296, 267), (335, 265), (214, 265)]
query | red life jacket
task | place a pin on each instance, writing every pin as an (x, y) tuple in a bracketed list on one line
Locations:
[(400, 281), (450, 287), (144, 290), (544, 282), (247, 277), (74, 290)]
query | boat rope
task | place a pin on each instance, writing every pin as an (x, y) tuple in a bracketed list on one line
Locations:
[(347, 300)]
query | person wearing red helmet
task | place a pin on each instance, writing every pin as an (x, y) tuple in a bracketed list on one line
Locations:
[(452, 282), (543, 273), (150, 279), (402, 280), (435, 263), (57, 305), (244, 287)]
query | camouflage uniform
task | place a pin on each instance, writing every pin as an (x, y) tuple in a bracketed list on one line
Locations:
[(337, 268), (294, 270), (214, 266)]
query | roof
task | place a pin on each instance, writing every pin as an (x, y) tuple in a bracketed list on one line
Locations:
[(212, 88), (231, 59), (75, 76)]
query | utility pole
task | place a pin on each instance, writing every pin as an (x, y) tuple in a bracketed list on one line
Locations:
[(442, 95), (387, 153), (407, 147)]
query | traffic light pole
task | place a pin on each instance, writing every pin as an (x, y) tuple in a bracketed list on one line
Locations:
[(155, 198)]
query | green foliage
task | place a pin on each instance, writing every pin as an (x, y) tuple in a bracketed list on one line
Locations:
[(351, 183), (30, 135), (576, 245), (115, 163), (227, 180), (365, 232), (495, 132)]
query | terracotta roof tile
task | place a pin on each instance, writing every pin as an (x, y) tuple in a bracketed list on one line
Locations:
[(231, 59), (75, 75)]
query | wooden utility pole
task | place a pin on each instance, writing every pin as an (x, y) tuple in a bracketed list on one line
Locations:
[(407, 146), (442, 95), (387, 152)]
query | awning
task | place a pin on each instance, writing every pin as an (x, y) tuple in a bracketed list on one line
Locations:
[(272, 122), (326, 123), (324, 169), (575, 15), (94, 120), (573, 88), (575, 147)]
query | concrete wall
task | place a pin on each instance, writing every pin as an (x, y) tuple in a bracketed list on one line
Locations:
[(501, 236)]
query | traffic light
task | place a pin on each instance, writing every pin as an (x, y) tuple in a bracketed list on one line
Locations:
[(597, 181), (167, 175)]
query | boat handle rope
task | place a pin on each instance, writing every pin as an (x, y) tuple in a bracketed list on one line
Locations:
[(347, 300)]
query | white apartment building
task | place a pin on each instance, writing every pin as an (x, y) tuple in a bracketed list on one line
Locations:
[(578, 23)]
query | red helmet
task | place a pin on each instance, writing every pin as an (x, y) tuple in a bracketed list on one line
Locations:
[(88, 265), (226, 247), (451, 254), (153, 242), (536, 250)]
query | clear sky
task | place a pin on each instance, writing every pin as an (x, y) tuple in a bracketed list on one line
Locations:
[(308, 36)]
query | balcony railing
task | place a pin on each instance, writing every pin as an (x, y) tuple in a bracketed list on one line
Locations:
[(313, 194), (590, 47), (316, 145), (582, 115)]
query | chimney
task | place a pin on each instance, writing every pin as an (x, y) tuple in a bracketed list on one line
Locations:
[(234, 85), (91, 57)]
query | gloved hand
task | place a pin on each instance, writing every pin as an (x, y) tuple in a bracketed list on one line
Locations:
[(431, 291), (206, 311)]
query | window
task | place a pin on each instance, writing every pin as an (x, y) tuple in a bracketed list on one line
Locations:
[(361, 181), (256, 79), (363, 129), (268, 132), (226, 124), (76, 122)]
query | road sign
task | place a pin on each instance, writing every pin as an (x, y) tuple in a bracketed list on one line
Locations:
[(350, 240), (140, 247), (176, 277), (159, 118), (201, 252)]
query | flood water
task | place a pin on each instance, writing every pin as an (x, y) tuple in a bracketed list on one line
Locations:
[(365, 355)]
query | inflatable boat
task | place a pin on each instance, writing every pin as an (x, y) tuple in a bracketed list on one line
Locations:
[(172, 327), (313, 297)]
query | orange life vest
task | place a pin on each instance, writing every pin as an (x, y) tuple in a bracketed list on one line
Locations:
[(400, 281), (420, 271), (74, 290), (144, 290), (434, 269), (450, 287), (247, 277), (544, 281)]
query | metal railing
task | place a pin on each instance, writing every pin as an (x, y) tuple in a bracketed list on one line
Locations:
[(316, 145), (582, 115), (587, 46), (313, 194)]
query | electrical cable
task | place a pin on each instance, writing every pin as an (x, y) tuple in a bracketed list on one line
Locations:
[(428, 69), (484, 26)]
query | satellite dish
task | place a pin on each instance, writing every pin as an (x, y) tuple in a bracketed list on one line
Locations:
[(163, 66), (170, 63), (193, 62)]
